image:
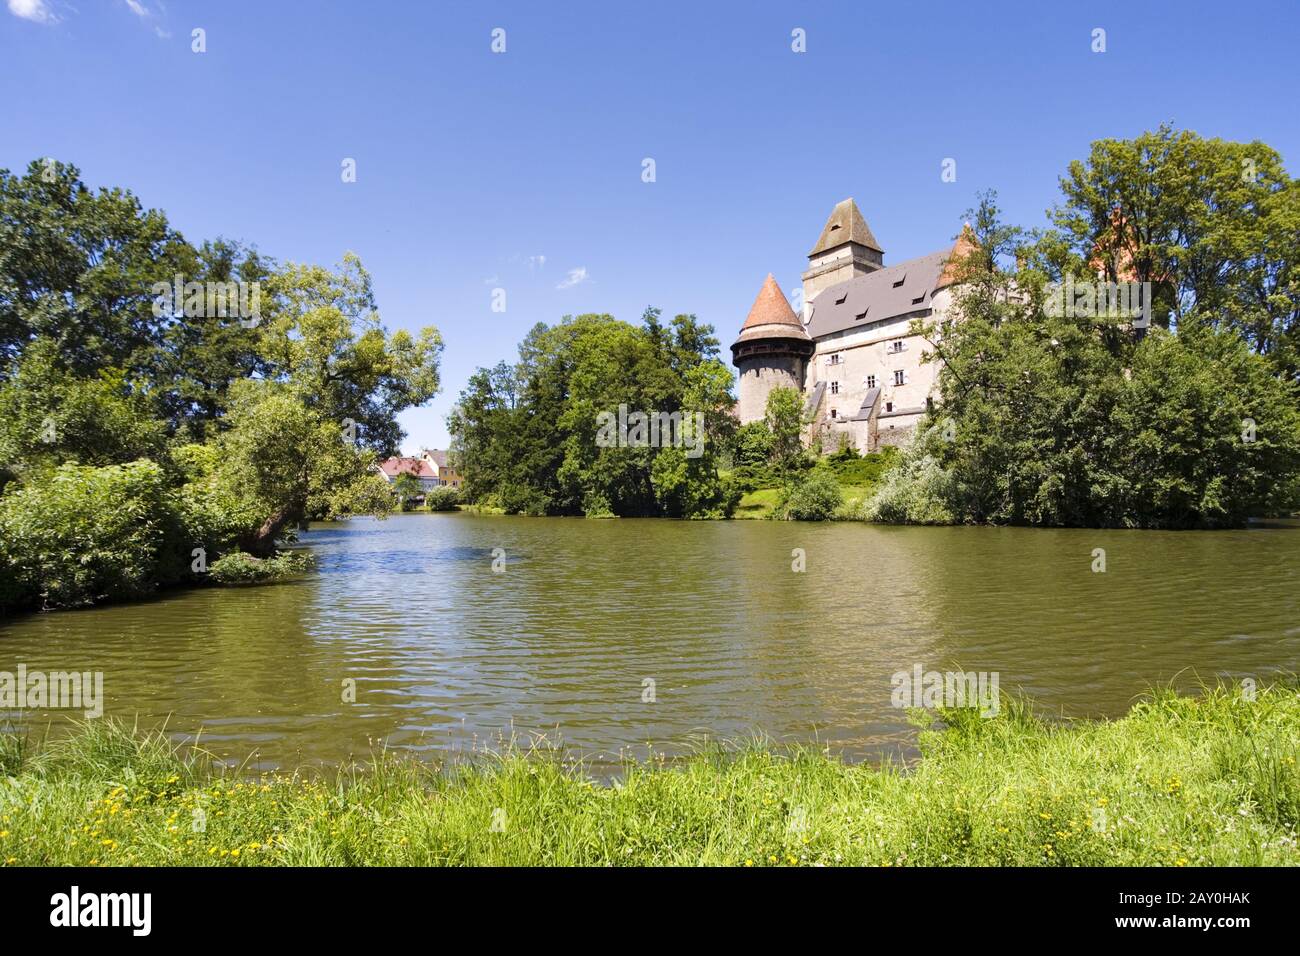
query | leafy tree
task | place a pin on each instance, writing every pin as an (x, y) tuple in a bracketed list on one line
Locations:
[(526, 436), (406, 487), (783, 416), (1061, 420), (1213, 225)]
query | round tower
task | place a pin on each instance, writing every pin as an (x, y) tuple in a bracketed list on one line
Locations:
[(772, 351)]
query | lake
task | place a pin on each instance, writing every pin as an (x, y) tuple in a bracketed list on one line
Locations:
[(447, 654)]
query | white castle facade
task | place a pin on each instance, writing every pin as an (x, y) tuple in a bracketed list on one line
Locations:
[(851, 352)]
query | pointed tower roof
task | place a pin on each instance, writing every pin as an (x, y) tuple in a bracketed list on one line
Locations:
[(966, 244), (771, 308), (845, 225), (771, 316)]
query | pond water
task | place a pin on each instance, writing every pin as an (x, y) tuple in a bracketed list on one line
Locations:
[(447, 654)]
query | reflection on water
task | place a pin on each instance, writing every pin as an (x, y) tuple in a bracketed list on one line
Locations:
[(447, 653)]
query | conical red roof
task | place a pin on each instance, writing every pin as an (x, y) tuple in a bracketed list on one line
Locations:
[(966, 244), (771, 308)]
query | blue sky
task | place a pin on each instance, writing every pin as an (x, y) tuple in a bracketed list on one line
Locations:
[(472, 166)]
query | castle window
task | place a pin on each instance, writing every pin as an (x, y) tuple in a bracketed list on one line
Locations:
[(834, 413), (835, 388), (836, 359), (870, 381), (889, 406), (900, 377), (897, 345)]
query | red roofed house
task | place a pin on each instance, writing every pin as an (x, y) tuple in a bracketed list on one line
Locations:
[(437, 460), (390, 468)]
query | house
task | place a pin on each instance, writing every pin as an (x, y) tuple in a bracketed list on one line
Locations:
[(436, 460), (390, 468), (851, 352)]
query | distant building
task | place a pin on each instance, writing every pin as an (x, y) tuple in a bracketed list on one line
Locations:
[(850, 352), (436, 459), (430, 468), (390, 468)]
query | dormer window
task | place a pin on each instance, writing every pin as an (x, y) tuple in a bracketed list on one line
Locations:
[(861, 315), (919, 299), (901, 279), (839, 299)]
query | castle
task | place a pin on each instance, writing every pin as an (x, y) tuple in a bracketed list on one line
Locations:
[(850, 353)]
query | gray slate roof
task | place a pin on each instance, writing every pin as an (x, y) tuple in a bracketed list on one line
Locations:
[(845, 225), (842, 306), (868, 403)]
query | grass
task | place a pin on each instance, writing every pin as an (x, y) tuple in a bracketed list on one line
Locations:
[(1179, 781), (758, 504)]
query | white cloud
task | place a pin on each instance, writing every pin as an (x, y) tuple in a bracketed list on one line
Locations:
[(536, 262), (575, 277), (38, 11), (149, 16)]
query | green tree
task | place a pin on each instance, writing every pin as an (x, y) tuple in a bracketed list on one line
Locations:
[(406, 487), (783, 416)]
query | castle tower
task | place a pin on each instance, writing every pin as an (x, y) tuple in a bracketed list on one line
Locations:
[(845, 250), (772, 351)]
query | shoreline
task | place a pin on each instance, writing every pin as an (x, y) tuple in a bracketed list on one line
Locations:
[(1178, 781)]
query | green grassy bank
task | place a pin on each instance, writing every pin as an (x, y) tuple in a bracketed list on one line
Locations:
[(1177, 782)]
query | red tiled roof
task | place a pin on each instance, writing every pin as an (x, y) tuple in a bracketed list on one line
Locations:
[(961, 249), (771, 308), (392, 467)]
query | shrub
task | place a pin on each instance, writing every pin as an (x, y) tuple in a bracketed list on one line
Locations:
[(239, 567), (80, 535), (442, 499), (854, 469), (815, 497), (917, 491)]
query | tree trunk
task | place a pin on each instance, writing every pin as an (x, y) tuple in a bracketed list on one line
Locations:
[(261, 543)]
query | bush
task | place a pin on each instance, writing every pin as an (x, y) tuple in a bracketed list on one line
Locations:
[(81, 535), (854, 469), (239, 567), (918, 490), (815, 497), (442, 499)]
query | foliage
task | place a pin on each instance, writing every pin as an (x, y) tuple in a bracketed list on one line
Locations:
[(854, 469), (814, 496), (1153, 788), (90, 534), (442, 499), (250, 427), (1083, 420), (406, 488), (239, 567), (527, 437), (1213, 225), (917, 490), (783, 417)]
